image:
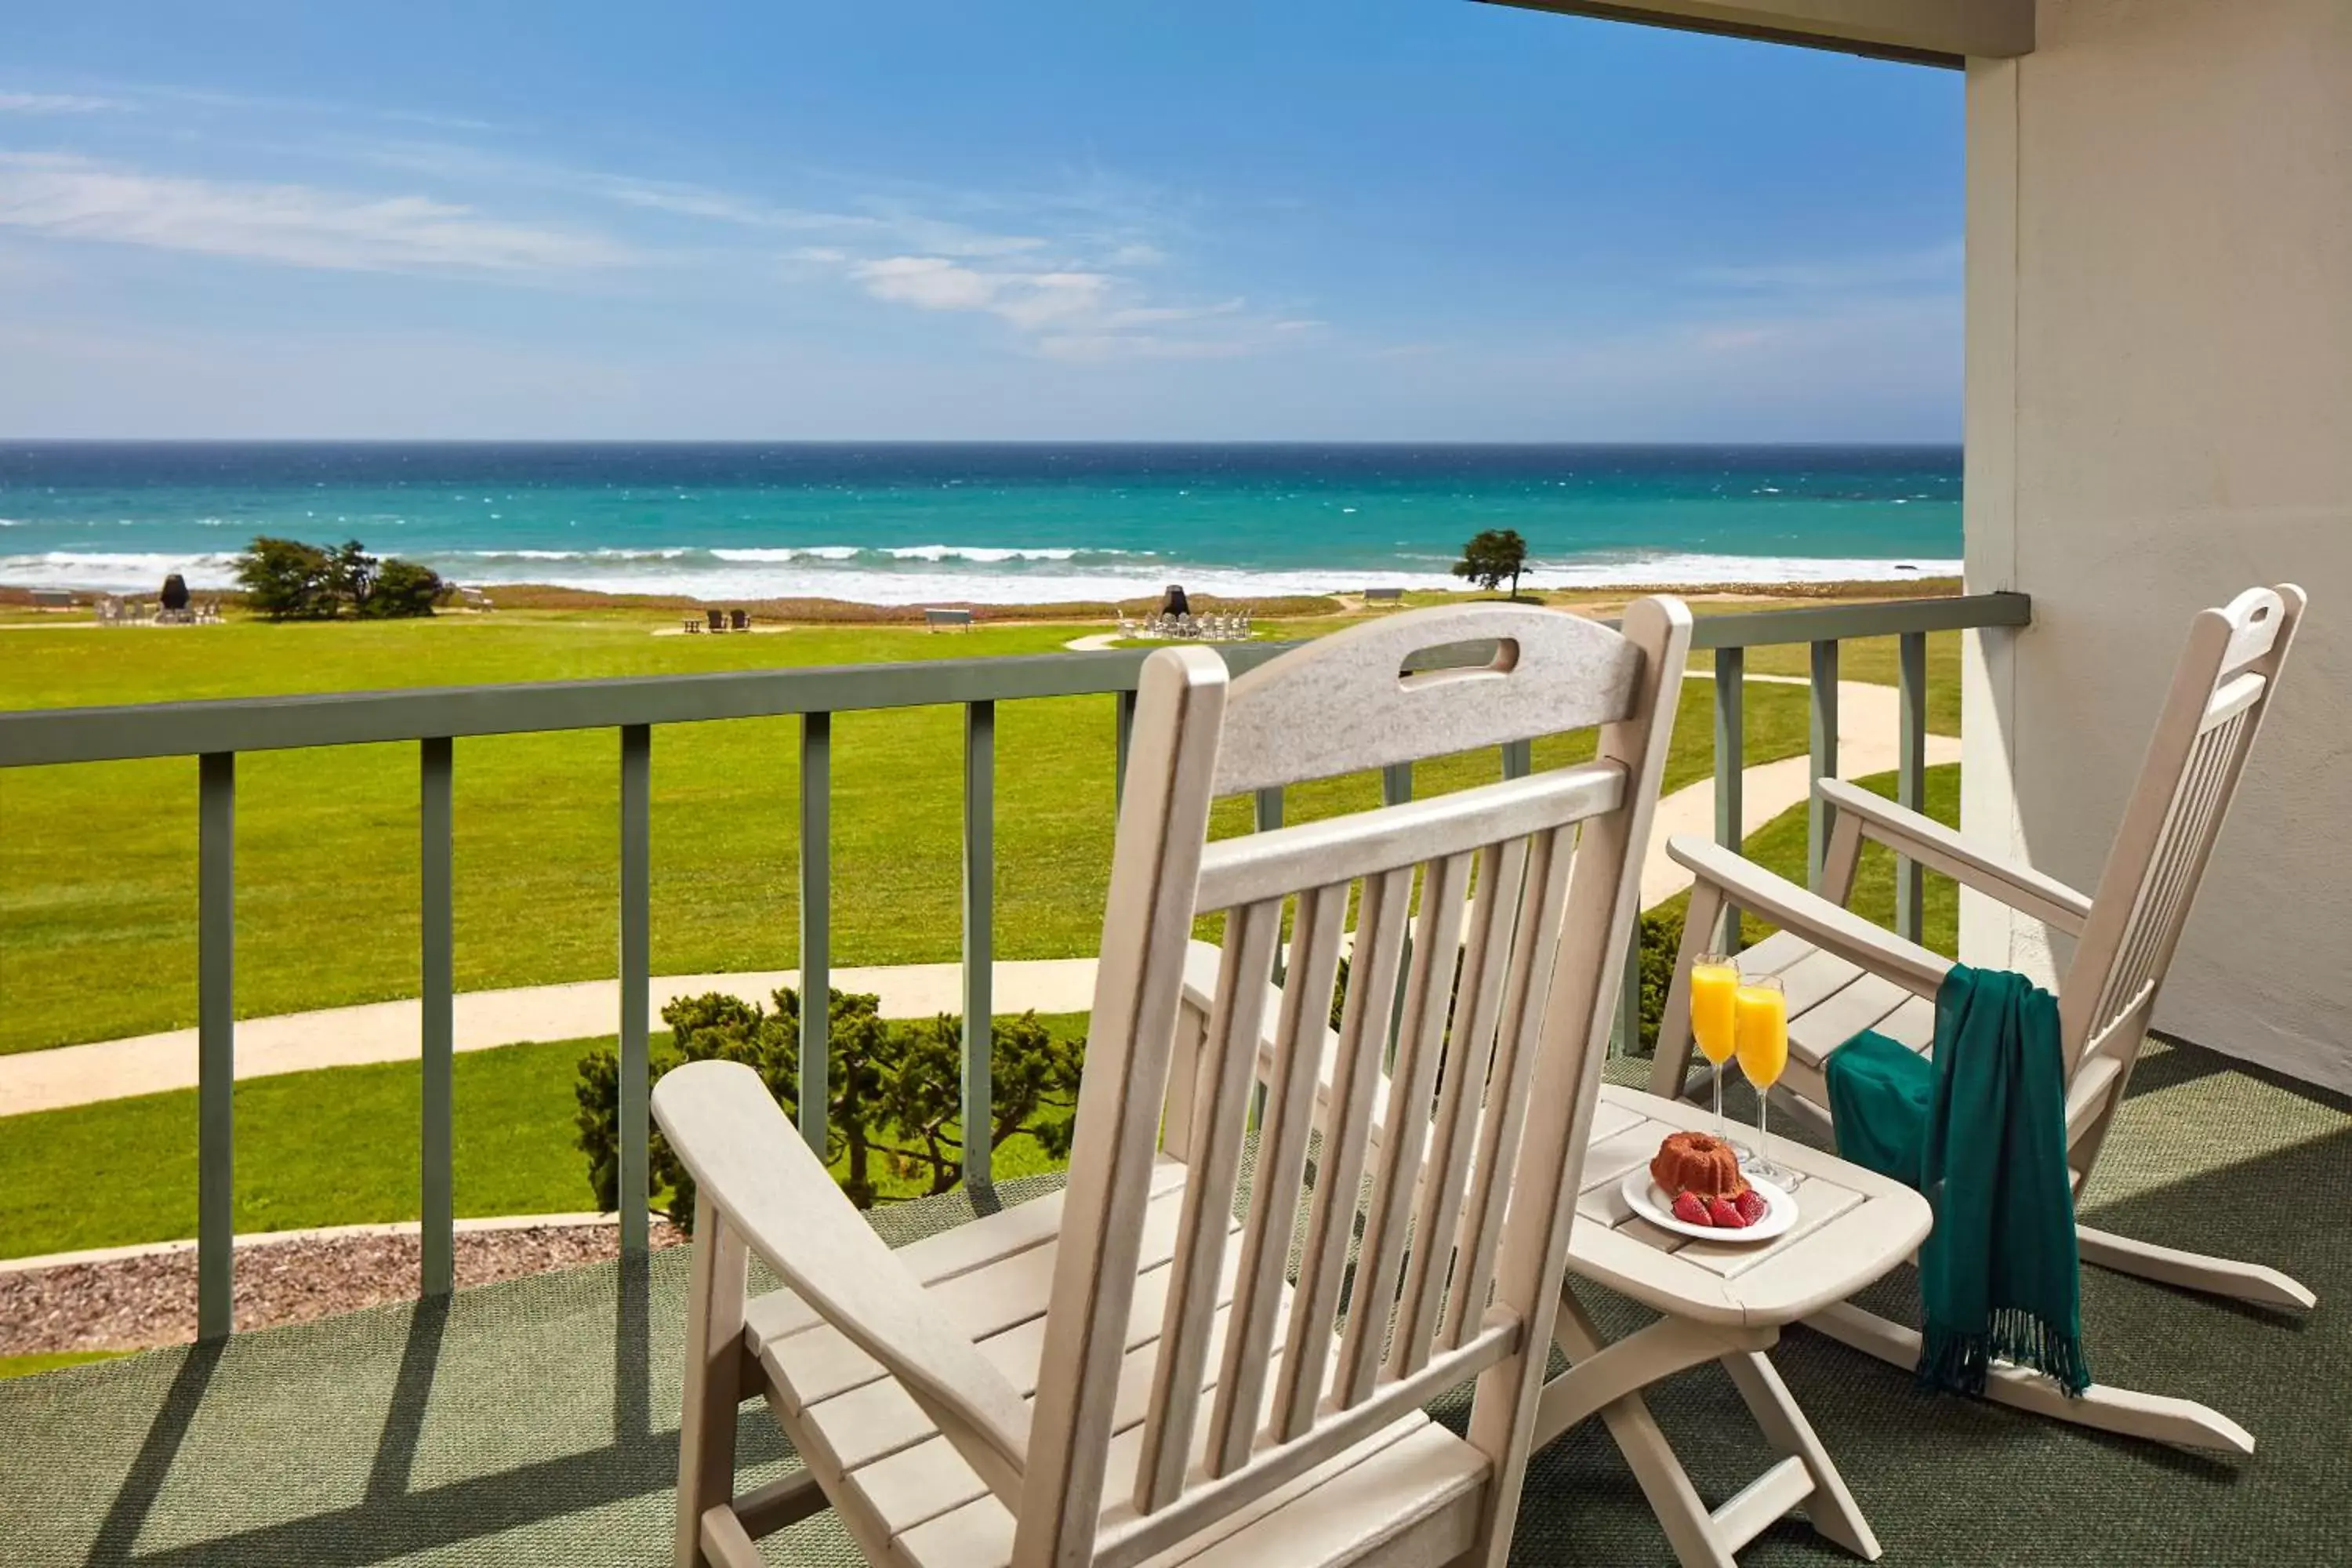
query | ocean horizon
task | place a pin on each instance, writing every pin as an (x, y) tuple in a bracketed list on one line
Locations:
[(906, 522)]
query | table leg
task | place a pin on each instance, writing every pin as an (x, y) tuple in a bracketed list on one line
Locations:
[(1606, 1378), (1665, 1347), (1831, 1507)]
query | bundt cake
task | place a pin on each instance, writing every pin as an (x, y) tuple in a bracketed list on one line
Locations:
[(1697, 1162)]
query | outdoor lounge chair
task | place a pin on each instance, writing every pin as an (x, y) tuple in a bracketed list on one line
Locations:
[(1194, 1405), (717, 620), (739, 620), (1843, 975)]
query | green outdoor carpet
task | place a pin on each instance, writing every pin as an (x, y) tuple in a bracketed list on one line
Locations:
[(534, 1422)]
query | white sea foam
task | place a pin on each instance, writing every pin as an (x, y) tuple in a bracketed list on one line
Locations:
[(941, 573), (116, 572), (798, 552), (981, 554)]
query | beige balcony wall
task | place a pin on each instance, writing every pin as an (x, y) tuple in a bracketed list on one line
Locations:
[(2159, 412)]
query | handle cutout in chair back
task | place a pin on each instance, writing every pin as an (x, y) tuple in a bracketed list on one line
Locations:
[(1443, 662), (1423, 684)]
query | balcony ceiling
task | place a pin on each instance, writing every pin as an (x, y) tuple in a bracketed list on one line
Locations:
[(1925, 32)]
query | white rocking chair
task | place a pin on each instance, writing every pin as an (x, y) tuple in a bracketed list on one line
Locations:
[(1843, 975), (1122, 1373)]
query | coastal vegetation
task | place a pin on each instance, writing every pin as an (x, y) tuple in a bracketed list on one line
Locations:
[(1492, 556), (286, 580), (96, 861), (893, 1105)]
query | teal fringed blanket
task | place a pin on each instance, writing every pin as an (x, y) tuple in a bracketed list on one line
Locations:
[(1981, 1131)]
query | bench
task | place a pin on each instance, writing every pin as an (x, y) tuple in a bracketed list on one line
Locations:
[(1384, 595), (52, 599), (934, 619)]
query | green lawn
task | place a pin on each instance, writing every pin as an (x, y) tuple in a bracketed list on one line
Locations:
[(336, 1146), (97, 863), (1780, 845), (339, 1146), (1876, 660)]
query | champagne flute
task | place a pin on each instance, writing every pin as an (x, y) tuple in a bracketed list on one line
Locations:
[(1714, 986), (1760, 1021)]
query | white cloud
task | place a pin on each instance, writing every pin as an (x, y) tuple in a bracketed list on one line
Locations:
[(298, 225), (1079, 271), (56, 103), (926, 282), (1072, 313)]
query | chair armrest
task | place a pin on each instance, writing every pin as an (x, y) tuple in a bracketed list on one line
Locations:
[(1937, 846), (751, 1165), (1830, 927)]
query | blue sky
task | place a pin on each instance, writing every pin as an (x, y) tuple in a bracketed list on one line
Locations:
[(1323, 219)]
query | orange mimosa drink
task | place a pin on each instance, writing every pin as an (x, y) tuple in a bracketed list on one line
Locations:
[(1714, 982), (1760, 1020), (1713, 990), (1762, 1027)]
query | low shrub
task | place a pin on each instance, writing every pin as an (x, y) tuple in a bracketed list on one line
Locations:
[(893, 1104)]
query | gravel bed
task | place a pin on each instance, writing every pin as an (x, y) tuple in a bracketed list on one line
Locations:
[(135, 1303)]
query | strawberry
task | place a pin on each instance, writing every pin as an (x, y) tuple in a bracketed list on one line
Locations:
[(1751, 1205), (1691, 1209), (1722, 1214)]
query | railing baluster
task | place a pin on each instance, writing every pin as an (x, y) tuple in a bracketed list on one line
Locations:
[(636, 970), (1823, 762), (816, 928), (1730, 771), (1911, 775), (1123, 731), (1519, 759), (979, 940), (436, 1141), (215, 1044)]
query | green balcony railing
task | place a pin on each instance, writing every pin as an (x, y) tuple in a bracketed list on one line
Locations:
[(216, 732)]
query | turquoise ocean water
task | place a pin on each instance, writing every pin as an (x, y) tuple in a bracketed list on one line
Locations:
[(892, 524)]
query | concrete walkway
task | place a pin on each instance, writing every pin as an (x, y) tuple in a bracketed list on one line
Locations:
[(1868, 716), (388, 1031)]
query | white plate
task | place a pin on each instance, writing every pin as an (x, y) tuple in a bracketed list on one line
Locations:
[(1654, 1203)]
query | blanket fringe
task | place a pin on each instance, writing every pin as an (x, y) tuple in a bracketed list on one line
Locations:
[(1959, 1362)]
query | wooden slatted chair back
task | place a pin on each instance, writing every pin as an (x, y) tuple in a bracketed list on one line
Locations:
[(1493, 1083), (2221, 690)]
